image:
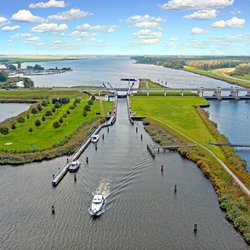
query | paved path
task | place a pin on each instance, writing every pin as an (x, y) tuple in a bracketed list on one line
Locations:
[(230, 77), (235, 178)]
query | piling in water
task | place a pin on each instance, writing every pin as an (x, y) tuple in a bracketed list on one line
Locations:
[(195, 228), (108, 129), (95, 147), (175, 189), (53, 209), (87, 160), (75, 177), (136, 129), (141, 137), (103, 136), (161, 168)]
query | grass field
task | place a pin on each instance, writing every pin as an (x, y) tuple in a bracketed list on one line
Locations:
[(216, 76), (177, 111), (45, 136)]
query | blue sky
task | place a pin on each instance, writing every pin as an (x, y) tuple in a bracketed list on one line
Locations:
[(118, 27)]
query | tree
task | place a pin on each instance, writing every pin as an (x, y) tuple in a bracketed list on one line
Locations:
[(11, 67), (48, 113), (21, 119), (28, 83), (57, 105), (39, 107), (3, 76), (61, 120), (13, 125), (34, 111), (38, 67), (56, 124), (4, 130), (38, 123), (44, 103)]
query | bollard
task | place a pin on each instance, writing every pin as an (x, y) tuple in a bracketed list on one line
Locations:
[(53, 209), (75, 177), (175, 189), (136, 129), (195, 228), (141, 137), (87, 160), (103, 136), (161, 168), (108, 129), (95, 147)]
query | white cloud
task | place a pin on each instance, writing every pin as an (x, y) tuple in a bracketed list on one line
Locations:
[(235, 22), (64, 45), (49, 27), (203, 14), (108, 29), (197, 4), (71, 14), (21, 35), (3, 21), (26, 16), (198, 31), (235, 12), (49, 4), (145, 21), (79, 34), (146, 36), (10, 28), (34, 39)]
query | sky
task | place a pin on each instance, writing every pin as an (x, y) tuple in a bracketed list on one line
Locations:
[(125, 27)]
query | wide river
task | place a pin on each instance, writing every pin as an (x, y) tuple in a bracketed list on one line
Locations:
[(98, 70), (142, 211)]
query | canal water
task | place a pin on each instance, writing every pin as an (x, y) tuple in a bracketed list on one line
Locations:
[(142, 211)]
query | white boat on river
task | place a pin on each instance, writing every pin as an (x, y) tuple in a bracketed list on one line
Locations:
[(97, 205)]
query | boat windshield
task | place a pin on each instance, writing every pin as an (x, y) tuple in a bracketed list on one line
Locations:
[(97, 202)]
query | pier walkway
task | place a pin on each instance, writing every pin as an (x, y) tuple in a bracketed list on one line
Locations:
[(57, 177)]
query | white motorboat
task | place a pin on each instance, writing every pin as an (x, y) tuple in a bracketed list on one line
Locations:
[(97, 205), (74, 166), (94, 138)]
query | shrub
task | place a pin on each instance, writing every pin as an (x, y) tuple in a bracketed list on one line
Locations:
[(87, 107), (38, 123), (28, 116), (48, 113), (4, 130), (61, 120), (72, 107), (64, 115), (43, 118), (68, 112), (57, 105), (34, 111), (53, 110), (44, 103), (39, 107), (54, 100), (13, 125), (21, 119), (30, 130), (56, 124), (90, 102), (85, 113)]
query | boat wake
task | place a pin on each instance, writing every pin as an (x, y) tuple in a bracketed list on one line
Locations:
[(103, 187)]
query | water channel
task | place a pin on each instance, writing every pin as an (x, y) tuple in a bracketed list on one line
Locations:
[(142, 210)]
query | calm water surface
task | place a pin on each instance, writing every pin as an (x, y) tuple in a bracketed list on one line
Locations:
[(142, 210), (95, 70), (8, 110), (233, 120)]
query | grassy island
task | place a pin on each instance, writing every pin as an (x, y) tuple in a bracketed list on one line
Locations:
[(57, 122), (175, 119)]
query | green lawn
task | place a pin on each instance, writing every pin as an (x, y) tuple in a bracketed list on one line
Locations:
[(245, 77), (45, 136), (176, 111)]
